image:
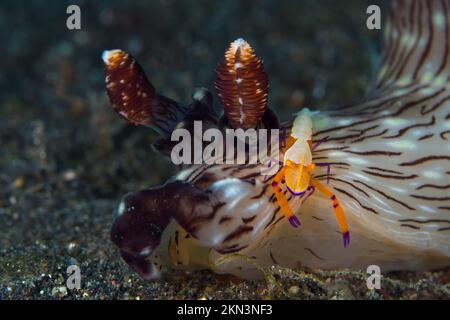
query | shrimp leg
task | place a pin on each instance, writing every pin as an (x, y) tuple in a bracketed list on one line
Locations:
[(282, 201), (338, 210)]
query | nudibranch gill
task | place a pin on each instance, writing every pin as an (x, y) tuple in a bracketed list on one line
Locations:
[(386, 158)]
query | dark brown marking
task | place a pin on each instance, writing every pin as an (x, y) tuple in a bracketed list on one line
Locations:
[(446, 37), (354, 198), (204, 181), (263, 191), (424, 221), (433, 186), (430, 198), (425, 137), (352, 185), (385, 195), (407, 106), (409, 226), (278, 220), (370, 136), (424, 159), (231, 249), (250, 219), (272, 257), (412, 176), (273, 217), (375, 153), (313, 253), (429, 38), (385, 170), (238, 232), (224, 219), (417, 37), (176, 237), (330, 149), (251, 175), (443, 134), (435, 106), (404, 130)]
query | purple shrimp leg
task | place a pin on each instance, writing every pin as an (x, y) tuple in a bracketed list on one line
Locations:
[(328, 165)]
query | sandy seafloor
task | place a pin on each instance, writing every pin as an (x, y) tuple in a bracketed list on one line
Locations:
[(66, 158)]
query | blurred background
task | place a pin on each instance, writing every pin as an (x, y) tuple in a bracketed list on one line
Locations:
[(66, 158)]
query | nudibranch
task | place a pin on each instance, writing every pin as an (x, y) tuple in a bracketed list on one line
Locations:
[(386, 158)]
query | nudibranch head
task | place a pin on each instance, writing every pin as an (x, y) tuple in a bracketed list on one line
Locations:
[(137, 231)]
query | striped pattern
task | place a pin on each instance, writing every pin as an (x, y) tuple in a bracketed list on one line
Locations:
[(390, 168), (417, 44), (242, 86)]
